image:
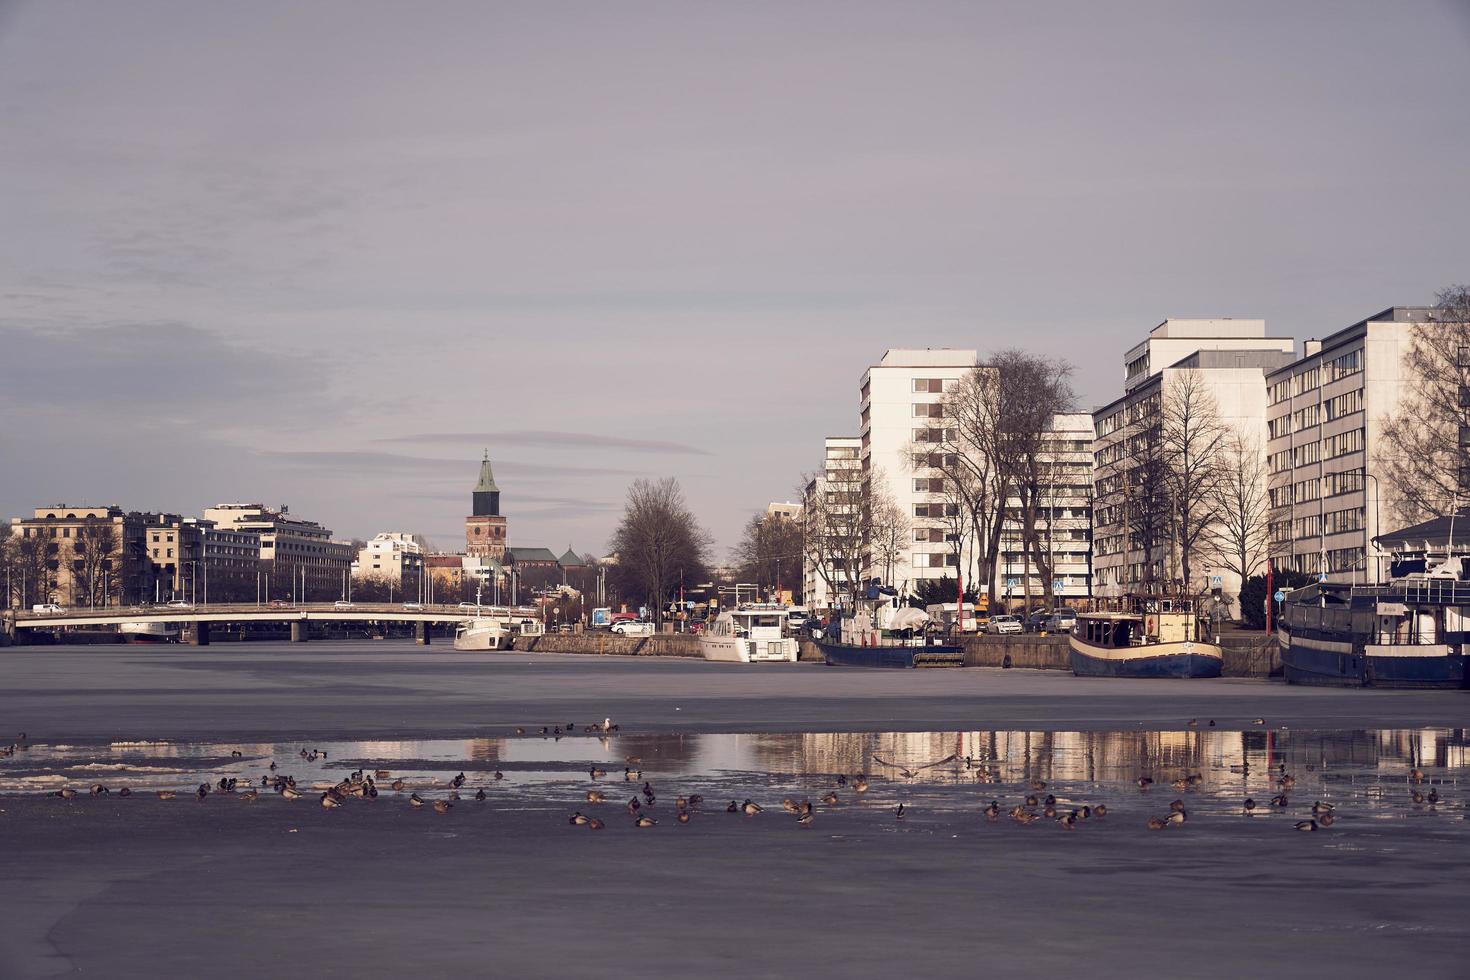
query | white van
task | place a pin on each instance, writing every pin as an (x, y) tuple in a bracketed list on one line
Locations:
[(47, 607)]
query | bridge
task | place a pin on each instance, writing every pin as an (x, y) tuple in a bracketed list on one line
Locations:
[(296, 615)]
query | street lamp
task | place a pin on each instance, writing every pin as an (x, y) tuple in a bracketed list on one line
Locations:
[(1377, 528)]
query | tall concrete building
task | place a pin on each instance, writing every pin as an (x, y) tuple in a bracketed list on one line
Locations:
[(80, 556), (901, 411), (485, 532), (391, 556), (1226, 361), (1064, 519), (1324, 427), (837, 485)]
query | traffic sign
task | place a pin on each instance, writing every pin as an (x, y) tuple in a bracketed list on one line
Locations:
[(1058, 587), (1321, 576), (1217, 581), (1280, 595)]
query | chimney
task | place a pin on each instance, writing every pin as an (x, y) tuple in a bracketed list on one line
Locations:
[(1311, 347)]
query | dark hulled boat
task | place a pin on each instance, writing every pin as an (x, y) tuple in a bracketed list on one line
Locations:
[(882, 633)]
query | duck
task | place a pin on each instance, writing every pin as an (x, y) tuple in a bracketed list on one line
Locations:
[(167, 794), (899, 814), (1259, 721), (499, 775), (1212, 723), (1416, 775), (66, 793), (841, 779), (594, 824), (1031, 800), (1279, 800), (457, 781), (250, 795), (1417, 796), (480, 795), (1144, 782), (1326, 819), (578, 820), (1192, 723), (992, 812), (1068, 822), (1023, 816), (733, 807), (1178, 817), (202, 791), (1051, 800), (1084, 813), (860, 784), (830, 798), (1249, 804), (805, 820), (1180, 783), (1288, 781), (1307, 825), (1320, 807), (1049, 812), (634, 806), (645, 821), (98, 789), (236, 754), (124, 792), (415, 801), (442, 806), (1156, 823), (806, 807), (398, 785), (381, 774), (683, 816), (330, 801), (520, 731), (790, 805), (681, 803), (750, 809), (291, 793), (695, 800), (596, 773), (1100, 811), (593, 796), (1433, 796), (1177, 806), (1038, 785)]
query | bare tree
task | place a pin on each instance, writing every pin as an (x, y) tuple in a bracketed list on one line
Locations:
[(30, 581), (770, 552), (657, 539), (94, 553), (1422, 453), (969, 451), (1240, 538), (1194, 440), (888, 532), (835, 533)]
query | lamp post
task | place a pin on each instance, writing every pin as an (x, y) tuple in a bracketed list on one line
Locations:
[(1377, 528)]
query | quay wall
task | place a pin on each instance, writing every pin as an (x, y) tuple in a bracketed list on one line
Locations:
[(610, 644)]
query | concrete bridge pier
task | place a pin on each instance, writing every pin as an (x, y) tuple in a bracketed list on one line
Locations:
[(7, 629), (197, 635), (298, 630), (421, 633)]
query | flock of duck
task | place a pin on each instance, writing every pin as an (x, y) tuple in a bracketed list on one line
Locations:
[(363, 784)]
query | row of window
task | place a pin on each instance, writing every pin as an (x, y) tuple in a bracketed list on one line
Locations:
[(928, 410), (1306, 454), (936, 435), (934, 386)]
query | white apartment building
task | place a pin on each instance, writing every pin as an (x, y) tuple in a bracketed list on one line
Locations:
[(295, 550), (1324, 428), (1231, 358), (389, 557), (1065, 521), (788, 510), (901, 409), (839, 479)]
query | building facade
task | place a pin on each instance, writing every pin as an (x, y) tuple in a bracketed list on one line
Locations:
[(299, 556), (900, 411), (1220, 363), (1064, 519), (392, 556), (79, 556), (838, 485), (1323, 429)]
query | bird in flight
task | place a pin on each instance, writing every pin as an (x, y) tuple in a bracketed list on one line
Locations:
[(909, 773)]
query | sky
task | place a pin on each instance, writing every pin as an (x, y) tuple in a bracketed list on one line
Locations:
[(326, 254)]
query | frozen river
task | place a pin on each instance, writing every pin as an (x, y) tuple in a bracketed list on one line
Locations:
[(142, 886)]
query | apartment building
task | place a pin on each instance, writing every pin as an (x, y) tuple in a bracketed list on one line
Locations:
[(1323, 429), (300, 555), (1064, 520), (901, 412), (1225, 361), (837, 485), (175, 547), (390, 557), (79, 556)]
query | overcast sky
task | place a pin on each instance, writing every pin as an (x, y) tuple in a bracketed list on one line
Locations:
[(323, 253)]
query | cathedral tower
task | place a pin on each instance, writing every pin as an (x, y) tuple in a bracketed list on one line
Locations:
[(484, 529)]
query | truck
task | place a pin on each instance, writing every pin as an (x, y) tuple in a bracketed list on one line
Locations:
[(943, 613)]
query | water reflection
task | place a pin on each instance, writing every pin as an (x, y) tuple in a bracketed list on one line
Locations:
[(1227, 762)]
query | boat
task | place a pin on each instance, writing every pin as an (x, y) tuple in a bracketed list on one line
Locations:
[(1408, 633), (1146, 636), (149, 632), (497, 628), (881, 632), (753, 633)]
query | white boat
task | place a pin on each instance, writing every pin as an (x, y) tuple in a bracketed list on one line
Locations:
[(750, 634), (147, 632), (496, 628)]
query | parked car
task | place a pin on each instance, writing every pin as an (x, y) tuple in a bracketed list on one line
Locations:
[(343, 604), (279, 604), (471, 606), (565, 628), (413, 606), (1061, 621), (1003, 624), (1036, 620), (180, 604), (47, 607), (633, 627)]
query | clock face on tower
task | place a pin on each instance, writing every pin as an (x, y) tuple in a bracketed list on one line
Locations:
[(479, 530)]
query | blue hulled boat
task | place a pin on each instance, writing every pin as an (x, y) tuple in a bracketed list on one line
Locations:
[(1151, 636), (882, 633)]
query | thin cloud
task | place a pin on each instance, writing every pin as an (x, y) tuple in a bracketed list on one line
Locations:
[(550, 437), (383, 464)]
